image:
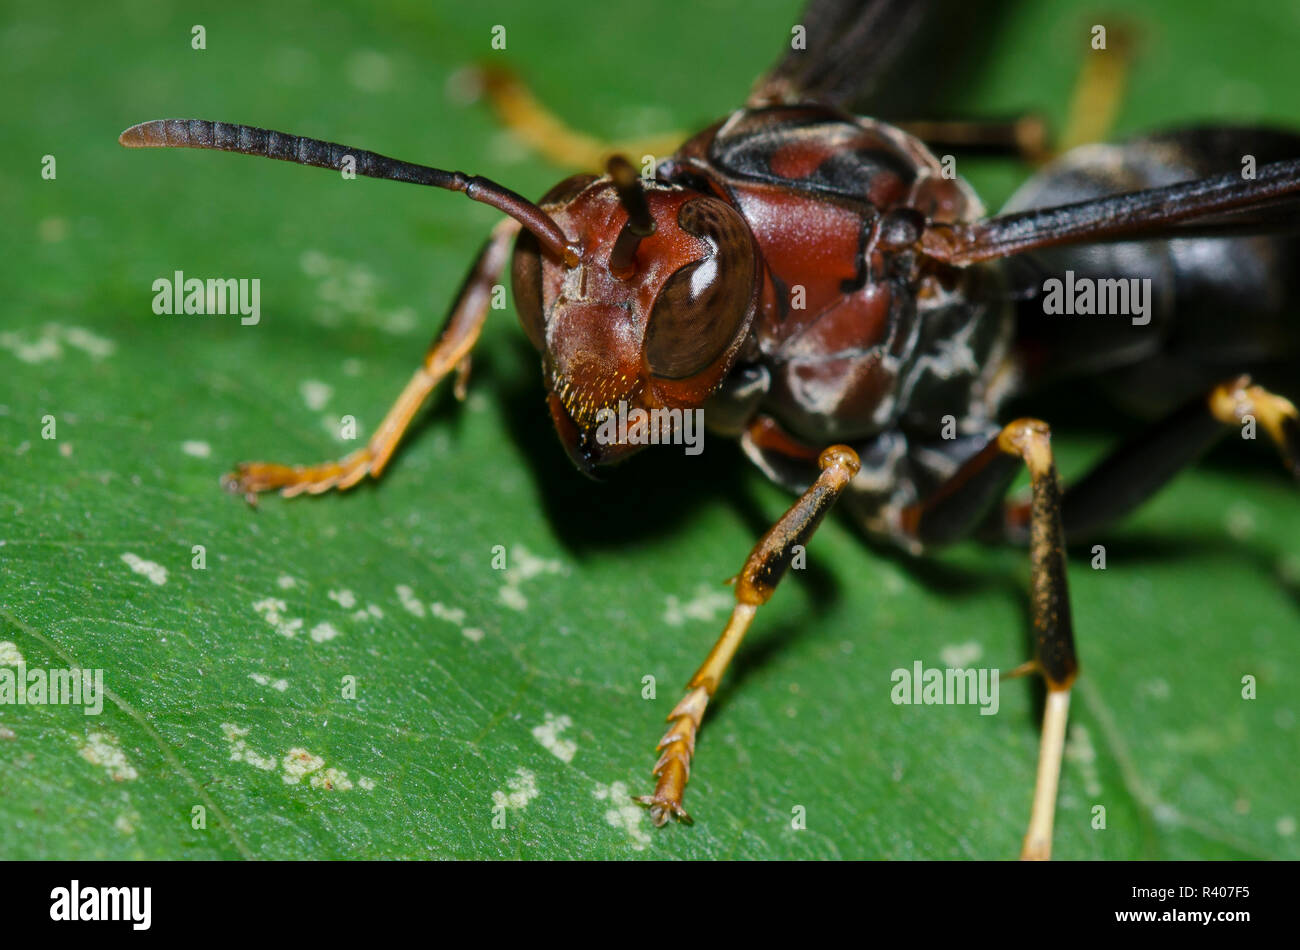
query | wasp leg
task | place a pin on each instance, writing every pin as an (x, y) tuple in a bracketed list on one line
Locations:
[(1234, 402), (1098, 93), (1141, 467), (547, 134), (763, 570), (953, 511), (1024, 137), (449, 351)]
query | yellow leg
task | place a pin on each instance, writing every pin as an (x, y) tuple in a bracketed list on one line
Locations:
[(1098, 93), (1233, 402), (1037, 845), (755, 584), (548, 135), (1054, 655), (449, 352)]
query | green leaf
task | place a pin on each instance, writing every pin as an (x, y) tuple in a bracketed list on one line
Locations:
[(472, 685)]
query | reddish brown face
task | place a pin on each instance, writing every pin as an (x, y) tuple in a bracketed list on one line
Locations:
[(663, 333)]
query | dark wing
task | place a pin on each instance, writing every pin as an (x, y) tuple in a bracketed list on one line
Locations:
[(1281, 216), (1222, 204), (879, 57)]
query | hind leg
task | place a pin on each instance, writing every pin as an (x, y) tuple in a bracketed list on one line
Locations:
[(547, 134), (1141, 467), (953, 511)]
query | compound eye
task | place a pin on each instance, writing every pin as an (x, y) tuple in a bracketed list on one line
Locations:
[(526, 283), (703, 306)]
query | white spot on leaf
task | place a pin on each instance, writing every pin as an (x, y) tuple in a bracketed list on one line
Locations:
[(549, 735), (298, 764), (324, 632), (103, 749), (272, 609), (707, 604), (961, 655), (521, 566), (315, 394), (344, 598), (261, 679), (624, 813), (239, 750), (408, 600), (200, 450), (155, 572), (451, 614), (522, 788), (332, 780), (48, 344)]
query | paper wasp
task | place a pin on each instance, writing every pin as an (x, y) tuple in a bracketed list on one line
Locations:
[(917, 317)]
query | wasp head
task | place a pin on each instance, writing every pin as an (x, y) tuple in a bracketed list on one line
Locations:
[(653, 314)]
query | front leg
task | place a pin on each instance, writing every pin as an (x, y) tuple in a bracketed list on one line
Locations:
[(449, 351), (763, 570)]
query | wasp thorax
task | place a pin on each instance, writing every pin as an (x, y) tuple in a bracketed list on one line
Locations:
[(653, 314)]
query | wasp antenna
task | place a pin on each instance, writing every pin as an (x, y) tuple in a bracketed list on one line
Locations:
[(266, 143), (640, 224)]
